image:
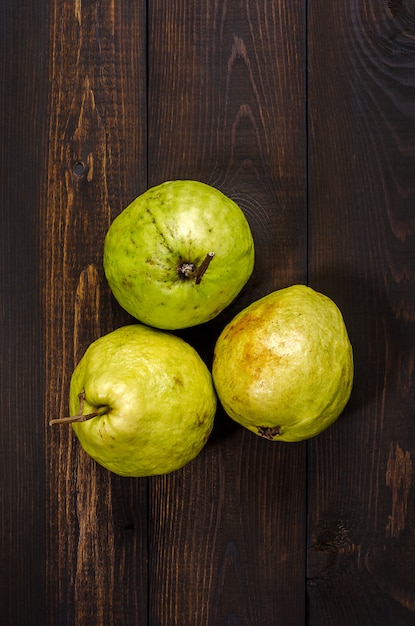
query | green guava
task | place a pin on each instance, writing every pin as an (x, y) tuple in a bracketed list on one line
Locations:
[(142, 401), (283, 367), (178, 254)]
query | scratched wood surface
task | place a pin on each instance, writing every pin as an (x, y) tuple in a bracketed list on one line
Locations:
[(305, 114), (361, 189)]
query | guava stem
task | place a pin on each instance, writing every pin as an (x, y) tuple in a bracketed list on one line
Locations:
[(80, 417), (187, 270), (198, 274), (75, 418)]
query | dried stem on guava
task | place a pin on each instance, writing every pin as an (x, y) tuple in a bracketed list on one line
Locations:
[(189, 271), (80, 417)]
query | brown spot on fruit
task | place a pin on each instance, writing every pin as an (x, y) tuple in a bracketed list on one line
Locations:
[(128, 284)]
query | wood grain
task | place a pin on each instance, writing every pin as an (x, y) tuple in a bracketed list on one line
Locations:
[(226, 106), (362, 253), (304, 114), (22, 493), (96, 165)]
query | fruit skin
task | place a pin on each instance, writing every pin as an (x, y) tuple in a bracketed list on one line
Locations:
[(170, 224), (283, 367), (159, 398)]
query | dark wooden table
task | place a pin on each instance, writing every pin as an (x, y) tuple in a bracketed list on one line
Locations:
[(304, 112)]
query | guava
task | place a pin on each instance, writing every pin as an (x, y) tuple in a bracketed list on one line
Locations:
[(142, 401), (283, 367), (178, 254)]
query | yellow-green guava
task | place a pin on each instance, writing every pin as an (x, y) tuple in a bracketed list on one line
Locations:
[(283, 367), (142, 401), (178, 254)]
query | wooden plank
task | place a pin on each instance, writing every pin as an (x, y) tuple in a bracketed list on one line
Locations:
[(362, 254), (226, 106), (22, 490), (96, 521)]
